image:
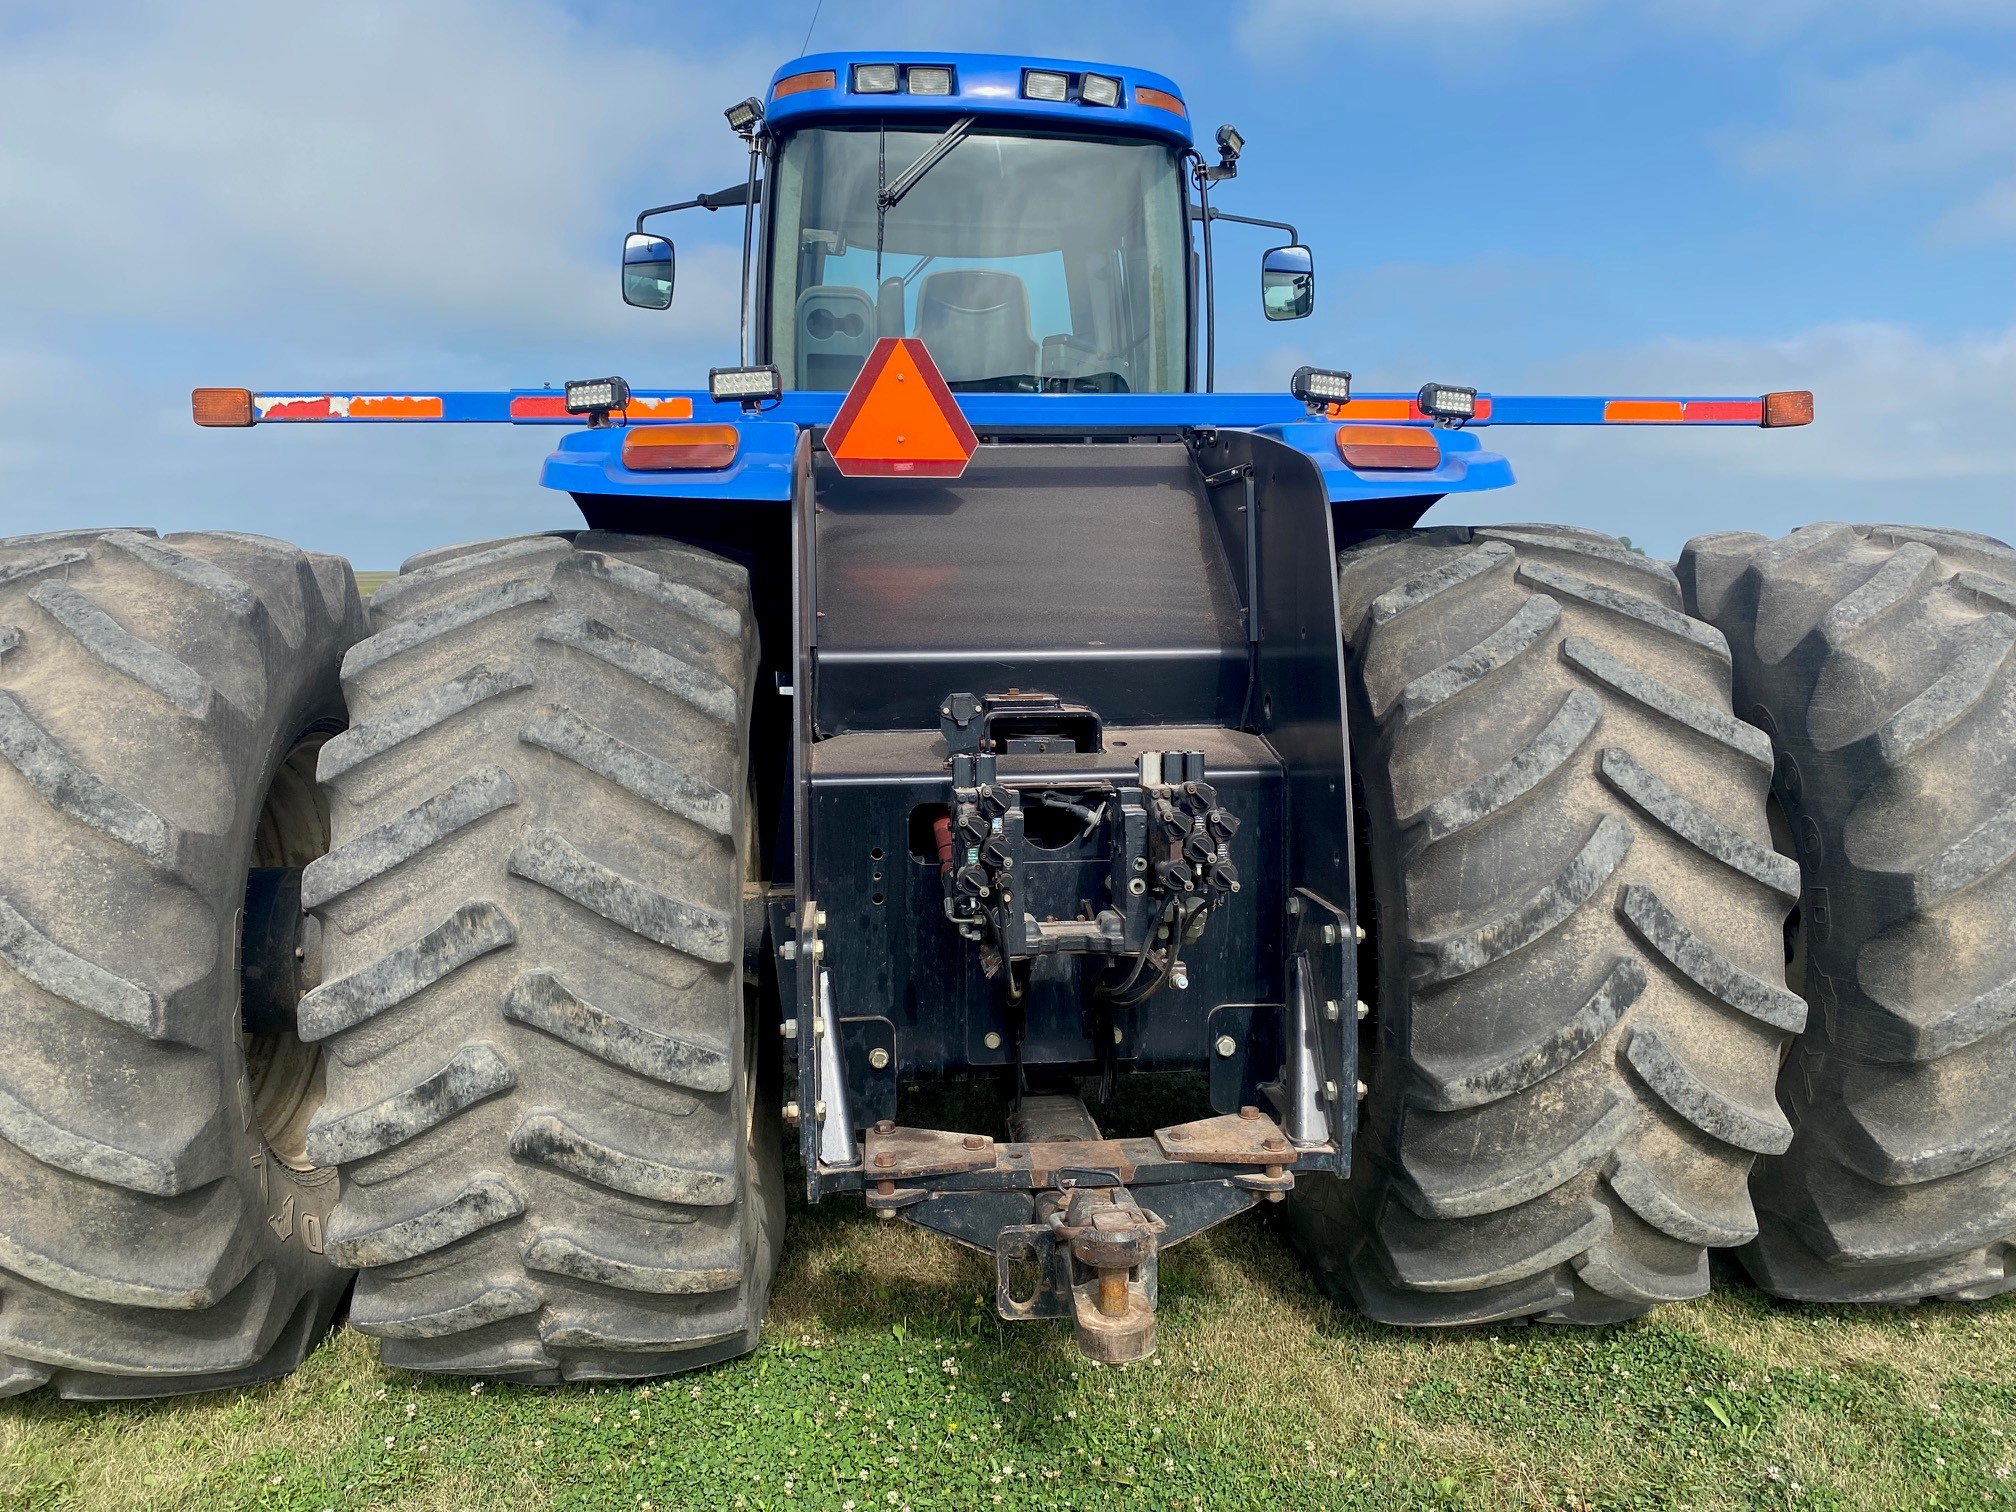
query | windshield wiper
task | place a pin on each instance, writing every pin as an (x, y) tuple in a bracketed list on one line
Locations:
[(892, 195)]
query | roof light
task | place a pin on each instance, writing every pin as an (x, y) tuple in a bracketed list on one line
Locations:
[(1447, 401), (1315, 386), (928, 81), (1038, 85), (750, 385), (818, 78), (1097, 89), (874, 78), (590, 396), (1793, 407), (743, 118), (1160, 99), (221, 407), (1388, 448), (680, 448)]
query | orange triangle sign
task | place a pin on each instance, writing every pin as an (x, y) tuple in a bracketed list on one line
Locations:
[(899, 419)]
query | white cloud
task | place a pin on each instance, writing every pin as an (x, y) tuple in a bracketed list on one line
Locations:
[(1907, 428), (192, 164), (1925, 119)]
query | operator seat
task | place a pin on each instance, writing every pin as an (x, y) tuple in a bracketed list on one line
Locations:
[(976, 323)]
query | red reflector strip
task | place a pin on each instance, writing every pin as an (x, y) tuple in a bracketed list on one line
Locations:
[(1388, 448), (1727, 411), (554, 407), (1393, 409), (353, 407)]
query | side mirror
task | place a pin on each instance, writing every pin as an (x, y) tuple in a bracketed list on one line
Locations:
[(1287, 283), (647, 271)]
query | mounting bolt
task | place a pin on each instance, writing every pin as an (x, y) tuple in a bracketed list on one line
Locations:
[(1330, 1091), (885, 1126), (819, 1110), (1249, 1113), (1329, 934), (791, 1114), (1362, 1090), (1359, 931), (975, 1141), (818, 949), (1119, 1035), (879, 1058), (788, 950), (1364, 1012), (819, 918), (1294, 907), (818, 1028), (789, 1028), (1274, 1142), (1227, 1046), (1332, 1009), (992, 1040), (884, 1158)]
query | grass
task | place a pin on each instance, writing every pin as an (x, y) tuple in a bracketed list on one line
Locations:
[(884, 1380)]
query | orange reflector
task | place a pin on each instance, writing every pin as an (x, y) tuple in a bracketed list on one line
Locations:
[(1388, 448), (1161, 99), (819, 78), (679, 448), (1644, 411), (1794, 407), (222, 406), (899, 419)]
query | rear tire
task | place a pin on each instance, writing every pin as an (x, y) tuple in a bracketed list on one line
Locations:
[(1883, 661), (1574, 953), (559, 1161), (161, 703)]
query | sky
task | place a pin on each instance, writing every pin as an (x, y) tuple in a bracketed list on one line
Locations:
[(1540, 196)]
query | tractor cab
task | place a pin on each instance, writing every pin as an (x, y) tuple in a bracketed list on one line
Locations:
[(1028, 221)]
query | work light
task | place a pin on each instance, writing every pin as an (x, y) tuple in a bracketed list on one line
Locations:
[(928, 81), (588, 396), (1097, 89), (750, 385), (742, 118), (1038, 85), (874, 78), (1320, 385), (1447, 401)]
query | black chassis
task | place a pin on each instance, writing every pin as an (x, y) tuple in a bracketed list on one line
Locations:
[(1032, 629)]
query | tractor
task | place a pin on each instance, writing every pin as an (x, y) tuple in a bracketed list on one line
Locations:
[(958, 693)]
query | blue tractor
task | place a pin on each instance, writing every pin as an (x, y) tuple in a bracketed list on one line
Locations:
[(958, 690)]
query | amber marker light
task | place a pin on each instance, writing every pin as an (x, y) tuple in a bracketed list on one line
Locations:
[(1161, 99), (1388, 448), (818, 78), (1793, 407), (222, 407), (680, 448)]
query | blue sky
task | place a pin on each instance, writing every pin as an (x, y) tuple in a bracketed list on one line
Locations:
[(1529, 195)]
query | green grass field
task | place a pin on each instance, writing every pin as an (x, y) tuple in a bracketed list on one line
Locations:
[(884, 1381)]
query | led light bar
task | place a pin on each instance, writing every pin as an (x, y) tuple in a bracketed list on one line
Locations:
[(874, 78), (586, 396), (1320, 385), (1038, 85), (1447, 401), (750, 385), (928, 81), (1097, 89)]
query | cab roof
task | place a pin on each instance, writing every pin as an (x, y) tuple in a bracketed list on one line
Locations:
[(987, 85)]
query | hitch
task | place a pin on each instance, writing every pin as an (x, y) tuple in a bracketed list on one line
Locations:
[(1094, 1251)]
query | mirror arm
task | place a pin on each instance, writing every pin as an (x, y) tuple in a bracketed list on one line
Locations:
[(1216, 214), (720, 199)]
